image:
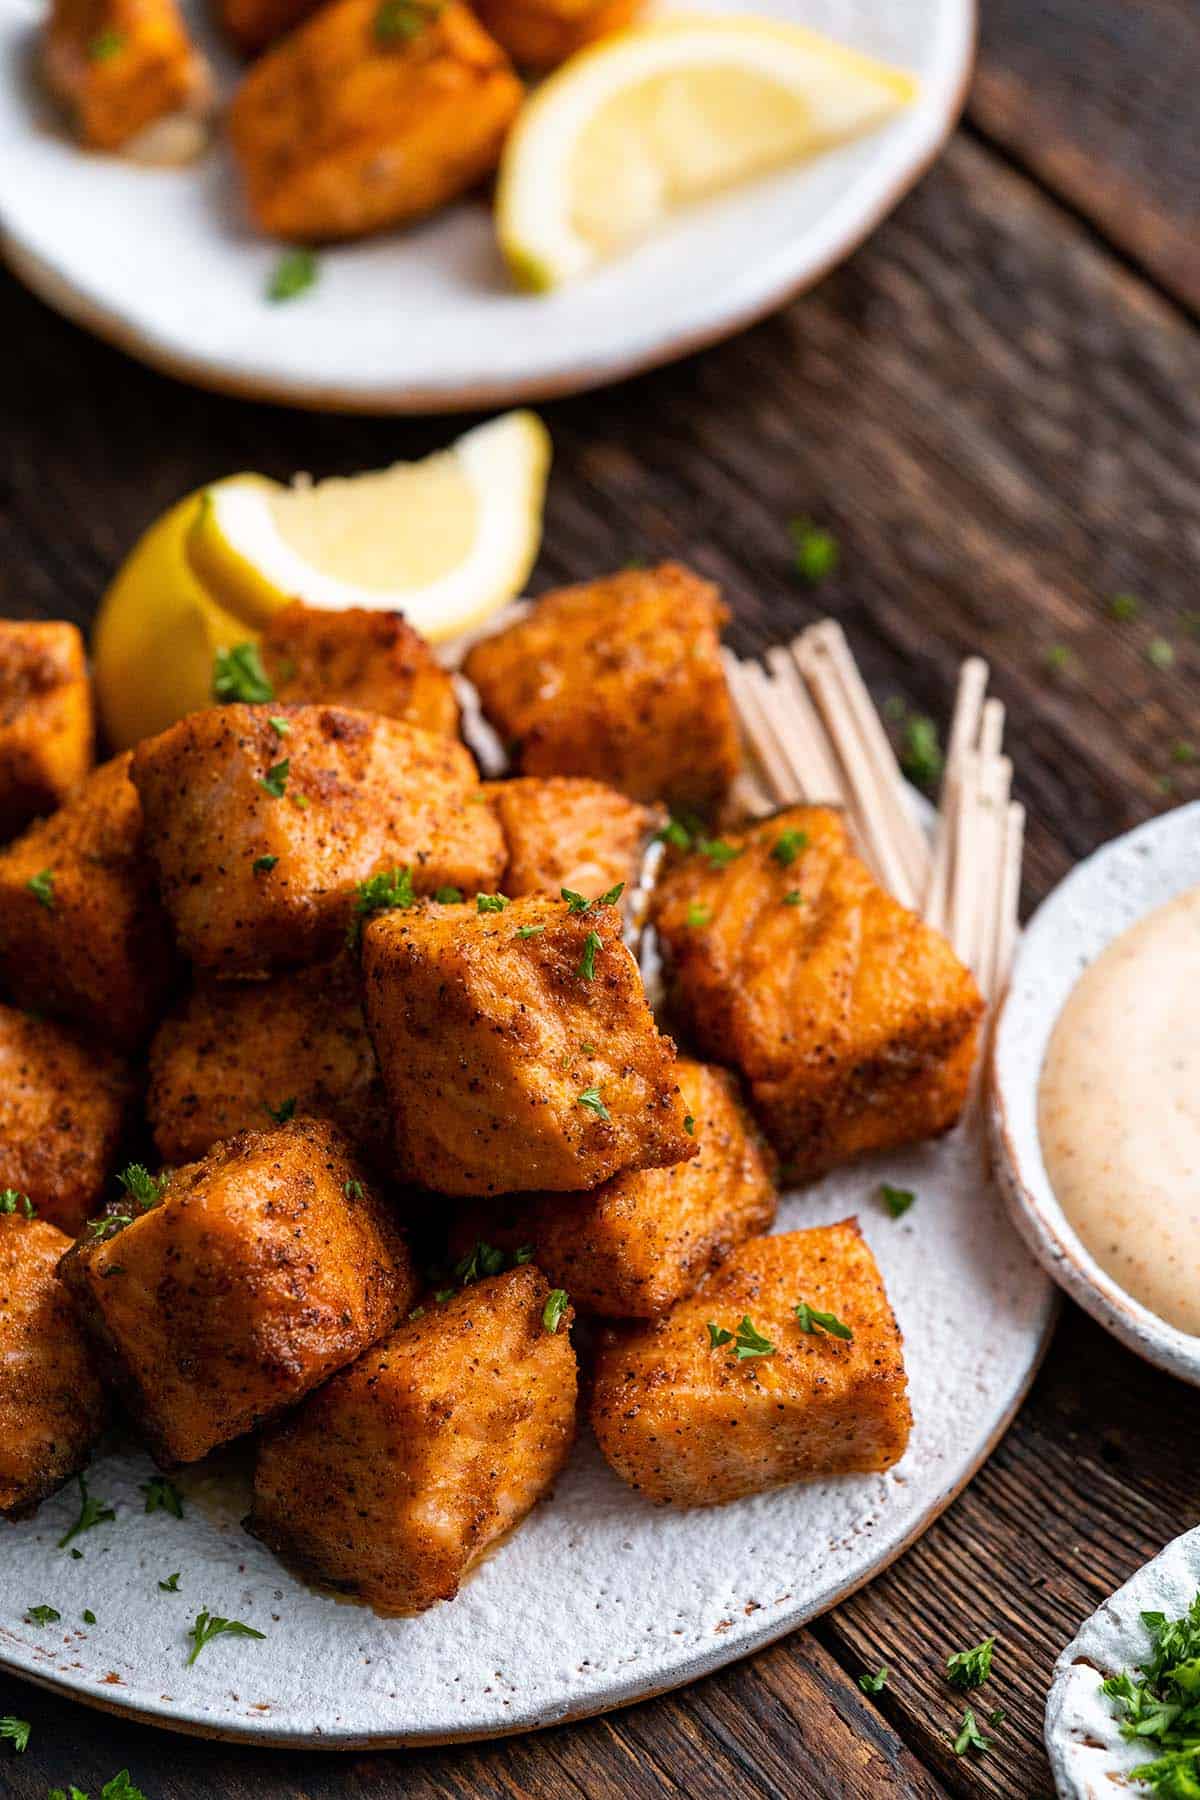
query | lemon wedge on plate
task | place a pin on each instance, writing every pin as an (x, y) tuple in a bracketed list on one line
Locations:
[(446, 541), (660, 116)]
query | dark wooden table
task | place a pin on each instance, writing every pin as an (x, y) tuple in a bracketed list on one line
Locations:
[(995, 406)]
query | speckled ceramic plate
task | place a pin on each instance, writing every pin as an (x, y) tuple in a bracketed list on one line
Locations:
[(1089, 1757), (599, 1598), (163, 263), (1102, 897)]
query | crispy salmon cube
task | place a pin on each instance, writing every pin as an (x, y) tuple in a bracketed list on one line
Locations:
[(46, 723), (235, 1052), (686, 1420), (260, 1270), (620, 679), (568, 832), (372, 660), (262, 820), (63, 1104), (538, 34), (853, 1022), (372, 113), (52, 1407), (633, 1246), (82, 934), (517, 1048), (394, 1479), (120, 65)]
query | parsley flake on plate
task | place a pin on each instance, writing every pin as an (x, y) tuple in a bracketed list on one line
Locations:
[(490, 903), (41, 1615), (275, 781), (11, 1201), (264, 864), (552, 1313), (810, 1320), (968, 1669), (587, 962), (592, 1099), (1160, 654), (92, 1512), (284, 1112), (448, 896), (698, 914), (119, 1788), (747, 1340), (206, 1627), (896, 1200), (385, 892), (815, 551), (88, 1616), (41, 886), (238, 674), (162, 1496), (16, 1730), (280, 727), (142, 1186), (105, 45), (353, 1189), (874, 1684), (1161, 1706), (400, 21), (171, 1584), (528, 931), (483, 1260), (576, 903), (689, 1125), (293, 275), (1123, 607), (788, 846), (969, 1735)]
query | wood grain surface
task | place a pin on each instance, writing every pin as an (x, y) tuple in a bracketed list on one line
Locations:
[(995, 406)]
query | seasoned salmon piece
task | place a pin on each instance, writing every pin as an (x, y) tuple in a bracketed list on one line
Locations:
[(236, 1053), (262, 820), (569, 833), (63, 1103), (46, 723), (118, 66), (538, 34), (633, 1246), (681, 1416), (854, 1023), (393, 1480), (52, 1407), (373, 113), (82, 934), (247, 1280), (253, 24), (620, 679), (372, 660), (517, 1048)]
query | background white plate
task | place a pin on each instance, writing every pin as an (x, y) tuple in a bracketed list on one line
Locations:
[(163, 263), (1098, 900), (598, 1598), (1087, 1753)]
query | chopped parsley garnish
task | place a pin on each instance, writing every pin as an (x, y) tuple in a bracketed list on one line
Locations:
[(274, 782), (41, 886), (591, 1098), (448, 896), (264, 864), (896, 1200), (1058, 659), (142, 1186), (280, 727), (1183, 752), (483, 1260), (810, 1320), (238, 674), (556, 1305), (528, 931), (689, 1125), (11, 1202), (677, 834), (171, 1584), (489, 903), (41, 1615), (921, 755), (698, 914), (1159, 653), (107, 1225), (92, 1512), (399, 21), (17, 1730), (793, 897), (285, 1111), (968, 1669), (874, 1684), (119, 1788), (1123, 607), (381, 893), (814, 551), (717, 1335), (105, 45), (747, 1340), (207, 1627), (443, 1294), (88, 1616), (719, 851), (353, 1190), (576, 903), (587, 962), (523, 1255), (1161, 1704), (163, 1496), (788, 846), (969, 1735), (293, 275)]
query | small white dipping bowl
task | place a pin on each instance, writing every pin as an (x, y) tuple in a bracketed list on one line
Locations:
[(1100, 899)]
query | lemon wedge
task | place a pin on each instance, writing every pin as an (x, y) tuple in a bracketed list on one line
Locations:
[(655, 118), (446, 541)]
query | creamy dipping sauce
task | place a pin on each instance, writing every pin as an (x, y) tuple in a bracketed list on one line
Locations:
[(1119, 1111)]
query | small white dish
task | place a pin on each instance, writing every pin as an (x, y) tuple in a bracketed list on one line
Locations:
[(1089, 1758), (1099, 900), (163, 263)]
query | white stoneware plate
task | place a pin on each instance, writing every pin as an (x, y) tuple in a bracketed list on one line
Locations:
[(1089, 1757), (163, 263), (598, 1598), (1098, 900)]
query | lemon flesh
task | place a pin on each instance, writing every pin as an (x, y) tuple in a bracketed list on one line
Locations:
[(660, 117), (446, 541)]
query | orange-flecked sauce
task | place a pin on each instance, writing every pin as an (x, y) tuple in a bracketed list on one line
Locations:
[(1119, 1111)]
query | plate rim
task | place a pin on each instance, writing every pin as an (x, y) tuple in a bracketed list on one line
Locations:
[(1032, 1205), (207, 372)]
